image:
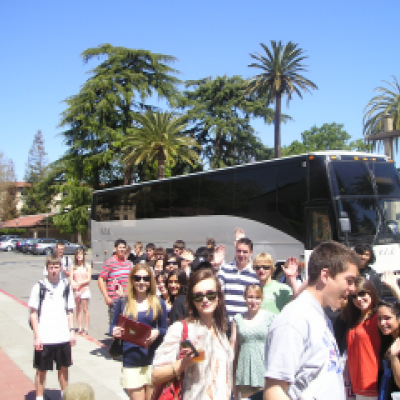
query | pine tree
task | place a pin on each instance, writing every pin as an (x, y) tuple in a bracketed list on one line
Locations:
[(8, 190), (34, 201)]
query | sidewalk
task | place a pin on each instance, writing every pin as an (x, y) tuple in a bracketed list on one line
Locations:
[(92, 364)]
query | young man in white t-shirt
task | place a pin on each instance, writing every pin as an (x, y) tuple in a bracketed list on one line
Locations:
[(52, 324), (302, 357)]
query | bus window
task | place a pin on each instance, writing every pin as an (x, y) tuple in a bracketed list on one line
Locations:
[(292, 195), (216, 194), (157, 201), (184, 195), (386, 178), (351, 178), (255, 194)]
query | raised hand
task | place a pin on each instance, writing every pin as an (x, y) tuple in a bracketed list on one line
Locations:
[(219, 254), (291, 267)]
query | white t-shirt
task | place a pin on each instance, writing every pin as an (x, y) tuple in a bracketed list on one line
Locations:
[(53, 321), (300, 341), (65, 263)]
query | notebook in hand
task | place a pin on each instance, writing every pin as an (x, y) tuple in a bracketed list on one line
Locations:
[(135, 332)]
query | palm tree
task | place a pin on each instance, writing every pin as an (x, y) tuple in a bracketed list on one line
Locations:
[(387, 102), (159, 136), (281, 68)]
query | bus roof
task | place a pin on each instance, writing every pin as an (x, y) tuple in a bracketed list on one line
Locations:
[(300, 156)]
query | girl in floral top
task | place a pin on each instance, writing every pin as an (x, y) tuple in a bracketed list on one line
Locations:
[(210, 377)]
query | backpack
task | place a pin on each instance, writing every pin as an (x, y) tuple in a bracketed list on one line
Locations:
[(42, 293)]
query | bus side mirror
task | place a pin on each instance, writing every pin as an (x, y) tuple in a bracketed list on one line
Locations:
[(344, 221)]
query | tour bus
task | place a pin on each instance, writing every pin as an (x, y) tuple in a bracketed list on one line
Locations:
[(286, 206)]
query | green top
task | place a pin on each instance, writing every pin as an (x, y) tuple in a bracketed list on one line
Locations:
[(276, 296)]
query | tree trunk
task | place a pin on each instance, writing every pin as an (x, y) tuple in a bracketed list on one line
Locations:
[(79, 238), (128, 175), (277, 124), (161, 165)]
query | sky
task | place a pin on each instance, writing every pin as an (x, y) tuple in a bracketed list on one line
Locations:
[(351, 45)]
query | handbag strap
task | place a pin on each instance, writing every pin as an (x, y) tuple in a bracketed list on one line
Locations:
[(184, 330)]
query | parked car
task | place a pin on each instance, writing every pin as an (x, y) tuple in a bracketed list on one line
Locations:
[(70, 248), (44, 246), (5, 237), (47, 246), (27, 247), (9, 244), (20, 244)]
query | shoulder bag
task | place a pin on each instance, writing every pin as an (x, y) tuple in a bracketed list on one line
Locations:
[(172, 390)]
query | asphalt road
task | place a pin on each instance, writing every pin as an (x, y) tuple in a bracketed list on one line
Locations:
[(19, 272)]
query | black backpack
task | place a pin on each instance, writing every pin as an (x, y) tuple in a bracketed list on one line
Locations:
[(42, 293)]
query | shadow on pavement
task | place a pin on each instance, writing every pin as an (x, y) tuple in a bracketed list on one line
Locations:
[(103, 351), (49, 394)]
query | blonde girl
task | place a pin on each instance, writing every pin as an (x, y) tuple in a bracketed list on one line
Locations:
[(140, 304), (80, 277)]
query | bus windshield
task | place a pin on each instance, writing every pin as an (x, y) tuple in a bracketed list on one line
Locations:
[(369, 193)]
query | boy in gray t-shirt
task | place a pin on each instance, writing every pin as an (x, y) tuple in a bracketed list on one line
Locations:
[(301, 348)]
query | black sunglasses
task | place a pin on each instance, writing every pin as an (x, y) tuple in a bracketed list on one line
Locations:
[(172, 262), (210, 295), (138, 278), (264, 267), (361, 293)]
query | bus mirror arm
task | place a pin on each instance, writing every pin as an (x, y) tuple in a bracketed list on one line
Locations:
[(345, 225)]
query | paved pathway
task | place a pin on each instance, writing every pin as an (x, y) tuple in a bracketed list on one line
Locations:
[(92, 364)]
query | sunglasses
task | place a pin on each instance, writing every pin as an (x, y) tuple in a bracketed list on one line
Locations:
[(361, 293), (172, 262), (264, 267), (138, 278), (210, 295)]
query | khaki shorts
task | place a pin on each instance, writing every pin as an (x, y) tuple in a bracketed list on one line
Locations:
[(136, 377)]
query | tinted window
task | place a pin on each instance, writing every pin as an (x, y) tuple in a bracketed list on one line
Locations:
[(319, 184), (292, 194), (185, 196), (386, 178), (216, 193), (157, 200), (350, 178), (255, 193)]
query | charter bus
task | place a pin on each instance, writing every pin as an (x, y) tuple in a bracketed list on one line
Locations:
[(287, 207)]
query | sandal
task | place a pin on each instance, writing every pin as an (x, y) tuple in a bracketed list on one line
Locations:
[(85, 332), (80, 331)]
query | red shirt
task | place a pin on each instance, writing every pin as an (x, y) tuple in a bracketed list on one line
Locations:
[(114, 269), (363, 344)]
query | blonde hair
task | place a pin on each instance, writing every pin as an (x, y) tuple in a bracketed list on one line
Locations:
[(256, 288), (264, 258), (152, 299), (74, 263)]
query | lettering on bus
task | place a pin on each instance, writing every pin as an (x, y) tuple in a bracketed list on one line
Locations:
[(386, 252), (105, 231)]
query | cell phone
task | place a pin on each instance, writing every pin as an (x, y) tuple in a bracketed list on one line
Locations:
[(188, 344), (116, 287)]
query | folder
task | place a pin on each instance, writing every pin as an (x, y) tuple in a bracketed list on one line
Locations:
[(135, 332)]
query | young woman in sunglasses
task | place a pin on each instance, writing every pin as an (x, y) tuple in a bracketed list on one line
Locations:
[(276, 294), (363, 341), (249, 335), (140, 304), (209, 376)]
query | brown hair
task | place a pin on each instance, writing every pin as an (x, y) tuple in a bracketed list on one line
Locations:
[(54, 259), (219, 313), (168, 256), (331, 255), (256, 287), (74, 263), (351, 314), (152, 299)]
